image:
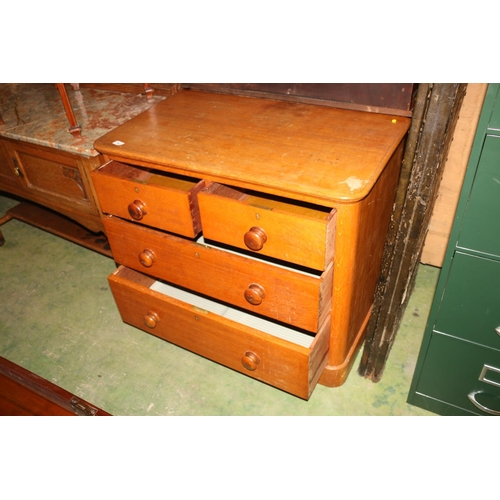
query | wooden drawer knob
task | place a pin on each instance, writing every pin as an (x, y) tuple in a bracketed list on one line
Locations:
[(254, 294), (137, 209), (151, 319), (147, 257), (250, 360), (255, 238)]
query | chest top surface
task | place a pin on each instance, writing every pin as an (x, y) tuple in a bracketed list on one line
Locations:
[(314, 153)]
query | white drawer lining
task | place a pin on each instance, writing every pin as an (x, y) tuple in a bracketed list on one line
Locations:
[(201, 241), (236, 315)]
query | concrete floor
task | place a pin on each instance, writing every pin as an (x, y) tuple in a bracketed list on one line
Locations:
[(58, 319)]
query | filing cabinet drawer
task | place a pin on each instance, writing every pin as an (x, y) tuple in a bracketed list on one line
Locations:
[(291, 361), (286, 295), (470, 307), (462, 375), (299, 233), (480, 229), (160, 200)]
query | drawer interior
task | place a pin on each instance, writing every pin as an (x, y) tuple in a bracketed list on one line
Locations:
[(156, 199), (286, 358), (290, 230), (143, 175), (236, 315)]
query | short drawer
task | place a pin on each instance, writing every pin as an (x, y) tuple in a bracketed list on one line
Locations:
[(291, 231), (159, 200), (288, 360), (470, 306), (284, 294), (461, 374)]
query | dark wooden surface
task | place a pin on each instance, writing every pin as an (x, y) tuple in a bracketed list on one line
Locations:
[(435, 115), (57, 224), (392, 98), (23, 393)]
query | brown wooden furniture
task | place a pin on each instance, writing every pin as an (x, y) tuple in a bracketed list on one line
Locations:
[(74, 129), (251, 231), (23, 393), (59, 185)]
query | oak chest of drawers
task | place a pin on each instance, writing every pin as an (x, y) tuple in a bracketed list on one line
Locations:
[(251, 231)]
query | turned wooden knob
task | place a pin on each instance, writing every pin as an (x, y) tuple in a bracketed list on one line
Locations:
[(254, 294), (151, 319), (137, 209), (250, 360), (255, 238), (147, 257)]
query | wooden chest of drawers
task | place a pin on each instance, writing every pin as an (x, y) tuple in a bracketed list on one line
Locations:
[(251, 231)]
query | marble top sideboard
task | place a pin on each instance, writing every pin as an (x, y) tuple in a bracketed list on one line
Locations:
[(34, 113)]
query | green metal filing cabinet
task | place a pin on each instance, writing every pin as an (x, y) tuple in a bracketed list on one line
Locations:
[(458, 368)]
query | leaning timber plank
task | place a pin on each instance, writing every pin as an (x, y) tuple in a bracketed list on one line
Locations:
[(435, 117), (23, 393)]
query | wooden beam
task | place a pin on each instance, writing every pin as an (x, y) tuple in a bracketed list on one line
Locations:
[(434, 119), (450, 186)]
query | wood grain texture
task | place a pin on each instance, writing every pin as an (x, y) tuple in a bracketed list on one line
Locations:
[(437, 107), (170, 202), (303, 236), (291, 297), (54, 179), (290, 367), (23, 393), (346, 162), (302, 151)]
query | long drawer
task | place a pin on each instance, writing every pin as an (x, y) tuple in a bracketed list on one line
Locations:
[(286, 295), (281, 362)]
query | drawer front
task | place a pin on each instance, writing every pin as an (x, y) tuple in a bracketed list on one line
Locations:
[(301, 234), (461, 374), (8, 176), (164, 201), (281, 363), (470, 306), (52, 175), (481, 225), (288, 296)]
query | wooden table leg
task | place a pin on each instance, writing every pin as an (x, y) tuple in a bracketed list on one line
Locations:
[(74, 128), (3, 220), (149, 90)]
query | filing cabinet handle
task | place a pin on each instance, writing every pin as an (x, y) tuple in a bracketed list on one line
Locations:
[(255, 238), (137, 209), (147, 257), (151, 319), (497, 329), (255, 294), (250, 361), (473, 400)]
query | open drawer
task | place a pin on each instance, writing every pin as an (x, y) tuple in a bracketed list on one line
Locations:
[(282, 357), (291, 231), (157, 199), (287, 295)]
